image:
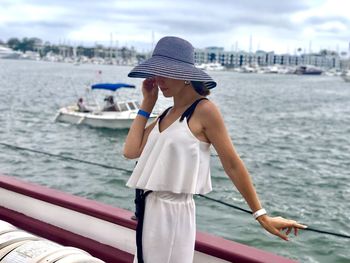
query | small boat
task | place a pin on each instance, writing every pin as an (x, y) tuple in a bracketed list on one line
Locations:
[(8, 53), (105, 232), (114, 115), (213, 66), (346, 76), (308, 70)]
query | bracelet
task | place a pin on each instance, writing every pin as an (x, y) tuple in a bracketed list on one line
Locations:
[(258, 213), (143, 113)]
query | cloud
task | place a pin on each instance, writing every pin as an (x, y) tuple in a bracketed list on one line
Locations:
[(330, 24), (40, 24), (205, 22), (316, 20)]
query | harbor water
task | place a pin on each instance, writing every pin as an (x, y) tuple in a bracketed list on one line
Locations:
[(292, 132)]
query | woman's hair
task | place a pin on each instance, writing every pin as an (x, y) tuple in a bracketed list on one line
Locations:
[(200, 88)]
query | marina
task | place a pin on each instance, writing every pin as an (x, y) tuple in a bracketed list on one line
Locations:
[(290, 130), (324, 62)]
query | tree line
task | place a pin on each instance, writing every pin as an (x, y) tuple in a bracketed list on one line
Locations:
[(43, 48)]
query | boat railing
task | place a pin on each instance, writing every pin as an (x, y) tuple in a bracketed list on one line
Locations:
[(104, 231)]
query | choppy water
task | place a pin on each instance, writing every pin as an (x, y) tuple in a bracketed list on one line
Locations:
[(293, 133)]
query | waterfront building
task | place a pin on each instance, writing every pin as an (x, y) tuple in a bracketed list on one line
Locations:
[(237, 59)]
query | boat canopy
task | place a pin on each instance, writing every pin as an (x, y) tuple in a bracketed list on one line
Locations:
[(111, 86)]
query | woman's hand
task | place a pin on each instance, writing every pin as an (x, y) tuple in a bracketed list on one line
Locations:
[(150, 91), (276, 226)]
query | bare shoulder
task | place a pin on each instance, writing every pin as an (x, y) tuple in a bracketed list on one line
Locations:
[(212, 123), (207, 110)]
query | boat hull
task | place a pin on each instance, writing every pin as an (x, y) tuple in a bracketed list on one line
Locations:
[(105, 232), (304, 70), (109, 120), (346, 78)]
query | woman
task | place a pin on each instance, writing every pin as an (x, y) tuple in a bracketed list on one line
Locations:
[(174, 154)]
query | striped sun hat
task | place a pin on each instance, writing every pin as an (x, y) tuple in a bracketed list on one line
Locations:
[(172, 57)]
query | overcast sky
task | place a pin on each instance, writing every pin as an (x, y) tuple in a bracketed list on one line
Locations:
[(279, 25)]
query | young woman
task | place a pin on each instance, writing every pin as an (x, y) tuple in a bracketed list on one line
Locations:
[(174, 153)]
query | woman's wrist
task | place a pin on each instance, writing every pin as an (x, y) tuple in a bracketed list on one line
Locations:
[(147, 105), (143, 113), (262, 218), (259, 213)]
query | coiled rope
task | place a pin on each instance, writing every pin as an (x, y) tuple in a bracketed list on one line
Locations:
[(130, 171)]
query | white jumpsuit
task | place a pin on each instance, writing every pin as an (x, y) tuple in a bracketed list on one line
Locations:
[(174, 165)]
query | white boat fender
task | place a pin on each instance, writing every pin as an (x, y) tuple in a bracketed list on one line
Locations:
[(79, 259), (22, 247), (57, 116), (59, 254), (80, 121), (6, 250), (31, 251), (15, 236)]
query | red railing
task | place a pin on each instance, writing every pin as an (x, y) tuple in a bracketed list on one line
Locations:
[(205, 243)]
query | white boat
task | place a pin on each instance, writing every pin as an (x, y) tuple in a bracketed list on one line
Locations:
[(213, 66), (118, 115), (346, 76), (105, 232), (8, 53), (248, 69)]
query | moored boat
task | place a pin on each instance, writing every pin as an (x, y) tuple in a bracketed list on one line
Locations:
[(213, 66), (105, 232), (8, 53), (346, 76), (308, 70)]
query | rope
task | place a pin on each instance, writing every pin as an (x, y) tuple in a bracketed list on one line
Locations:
[(129, 171), (326, 232), (250, 212), (226, 204), (64, 157)]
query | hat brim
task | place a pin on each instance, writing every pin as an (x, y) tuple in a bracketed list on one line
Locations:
[(170, 68)]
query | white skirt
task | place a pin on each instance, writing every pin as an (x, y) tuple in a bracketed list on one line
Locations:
[(169, 229)]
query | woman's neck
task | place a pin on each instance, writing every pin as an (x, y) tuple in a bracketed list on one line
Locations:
[(184, 98)]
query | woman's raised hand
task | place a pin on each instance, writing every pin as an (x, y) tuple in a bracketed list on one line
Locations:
[(276, 226), (150, 90)]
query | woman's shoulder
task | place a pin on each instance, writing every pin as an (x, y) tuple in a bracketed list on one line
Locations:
[(206, 107), (208, 112)]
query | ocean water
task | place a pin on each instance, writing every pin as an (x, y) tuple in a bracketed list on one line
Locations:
[(292, 132)]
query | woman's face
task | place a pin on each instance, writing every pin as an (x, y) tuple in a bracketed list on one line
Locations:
[(169, 87)]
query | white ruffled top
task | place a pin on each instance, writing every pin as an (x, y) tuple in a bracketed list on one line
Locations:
[(173, 160)]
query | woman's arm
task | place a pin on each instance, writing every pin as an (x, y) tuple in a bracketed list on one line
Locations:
[(138, 133), (216, 132)]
